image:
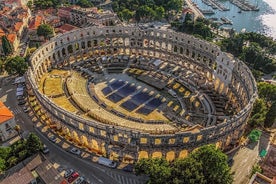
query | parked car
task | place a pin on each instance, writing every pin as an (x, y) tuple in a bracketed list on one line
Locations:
[(75, 151), (25, 109), (21, 102), (128, 168), (73, 177), (80, 180), (68, 173), (45, 149), (52, 138)]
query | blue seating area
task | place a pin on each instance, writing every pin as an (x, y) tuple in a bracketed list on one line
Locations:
[(140, 98), (154, 103), (107, 90), (150, 106), (121, 93), (144, 110), (114, 97), (116, 84), (129, 105), (126, 90)]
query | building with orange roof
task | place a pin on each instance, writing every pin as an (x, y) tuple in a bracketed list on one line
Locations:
[(7, 123), (37, 21)]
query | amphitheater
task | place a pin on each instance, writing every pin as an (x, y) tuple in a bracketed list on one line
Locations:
[(128, 93)]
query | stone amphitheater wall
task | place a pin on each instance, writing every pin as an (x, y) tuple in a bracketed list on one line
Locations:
[(230, 76)]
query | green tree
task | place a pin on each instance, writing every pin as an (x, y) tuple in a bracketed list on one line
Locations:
[(33, 144), (258, 113), (85, 4), (45, 30), (255, 168), (267, 91), (270, 116), (214, 164), (44, 4), (30, 4), (157, 169), (12, 161), (144, 13), (6, 45), (187, 170), (160, 12), (2, 165), (16, 65), (126, 14)]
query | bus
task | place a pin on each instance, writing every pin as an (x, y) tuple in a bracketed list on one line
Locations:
[(107, 162)]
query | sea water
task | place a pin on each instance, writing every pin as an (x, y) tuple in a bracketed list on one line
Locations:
[(262, 21)]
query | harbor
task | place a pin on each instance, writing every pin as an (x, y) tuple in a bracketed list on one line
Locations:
[(215, 5), (238, 18)]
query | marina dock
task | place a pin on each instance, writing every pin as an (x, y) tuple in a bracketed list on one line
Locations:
[(244, 5), (215, 5)]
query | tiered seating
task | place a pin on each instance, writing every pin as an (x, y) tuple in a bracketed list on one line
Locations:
[(115, 64)]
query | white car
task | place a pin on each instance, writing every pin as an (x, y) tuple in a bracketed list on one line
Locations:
[(75, 151), (68, 173), (79, 180)]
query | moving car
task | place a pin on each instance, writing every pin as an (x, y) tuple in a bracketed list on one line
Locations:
[(107, 162), (68, 173), (73, 177), (75, 151)]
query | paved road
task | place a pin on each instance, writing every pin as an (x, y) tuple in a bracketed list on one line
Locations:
[(95, 173), (194, 9)]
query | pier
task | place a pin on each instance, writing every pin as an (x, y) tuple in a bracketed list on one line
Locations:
[(244, 5), (215, 5)]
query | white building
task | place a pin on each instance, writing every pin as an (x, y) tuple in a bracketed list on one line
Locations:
[(7, 123)]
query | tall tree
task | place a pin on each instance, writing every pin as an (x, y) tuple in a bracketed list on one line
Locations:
[(6, 45), (214, 164), (45, 30), (157, 169), (85, 3), (34, 144), (16, 65), (187, 170)]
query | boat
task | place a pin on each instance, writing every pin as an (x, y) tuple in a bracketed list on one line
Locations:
[(207, 12), (226, 20), (239, 11)]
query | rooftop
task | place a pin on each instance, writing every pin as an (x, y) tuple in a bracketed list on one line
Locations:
[(5, 113)]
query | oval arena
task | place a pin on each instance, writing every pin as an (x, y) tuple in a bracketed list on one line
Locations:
[(128, 93)]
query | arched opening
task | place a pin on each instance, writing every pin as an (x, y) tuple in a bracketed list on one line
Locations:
[(143, 154), (183, 154), (170, 156), (157, 154)]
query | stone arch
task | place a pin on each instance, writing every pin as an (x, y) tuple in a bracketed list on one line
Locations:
[(219, 144), (143, 154), (84, 140), (70, 49), (157, 154), (183, 153), (170, 156)]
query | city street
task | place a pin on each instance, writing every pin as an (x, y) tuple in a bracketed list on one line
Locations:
[(93, 172), (246, 157)]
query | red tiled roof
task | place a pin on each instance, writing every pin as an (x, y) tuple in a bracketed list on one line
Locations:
[(36, 22), (17, 26), (11, 37), (5, 113), (66, 27)]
